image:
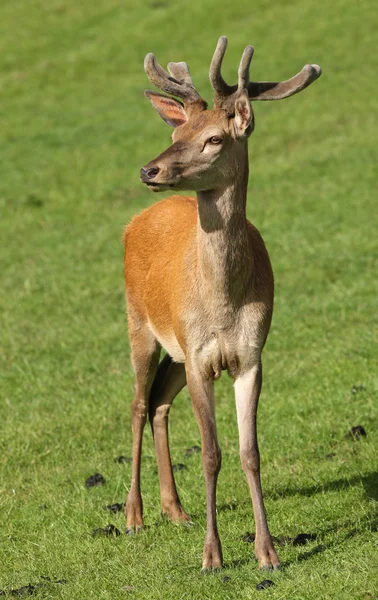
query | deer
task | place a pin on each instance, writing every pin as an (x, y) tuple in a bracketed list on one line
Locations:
[(199, 284)]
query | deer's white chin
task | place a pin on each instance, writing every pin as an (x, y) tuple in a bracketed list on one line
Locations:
[(159, 187)]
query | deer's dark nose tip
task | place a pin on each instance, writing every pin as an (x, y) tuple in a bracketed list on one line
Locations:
[(148, 174)]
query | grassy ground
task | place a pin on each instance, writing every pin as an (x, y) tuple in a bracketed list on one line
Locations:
[(75, 131)]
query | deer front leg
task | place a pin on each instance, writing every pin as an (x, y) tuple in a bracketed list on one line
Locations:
[(202, 393), (170, 379), (145, 353), (247, 392)]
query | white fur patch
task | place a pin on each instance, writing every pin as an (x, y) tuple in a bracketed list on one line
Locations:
[(170, 345)]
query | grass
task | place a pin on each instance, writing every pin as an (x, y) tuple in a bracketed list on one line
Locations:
[(75, 131)]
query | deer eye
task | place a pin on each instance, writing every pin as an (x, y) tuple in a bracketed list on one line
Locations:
[(215, 139)]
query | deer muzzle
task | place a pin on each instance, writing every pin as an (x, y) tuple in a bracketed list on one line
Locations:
[(164, 171)]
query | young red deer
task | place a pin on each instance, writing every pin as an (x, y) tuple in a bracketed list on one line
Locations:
[(199, 284)]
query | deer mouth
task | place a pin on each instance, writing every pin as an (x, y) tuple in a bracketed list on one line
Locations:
[(159, 187)]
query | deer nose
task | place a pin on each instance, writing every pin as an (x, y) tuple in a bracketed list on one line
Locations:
[(147, 174)]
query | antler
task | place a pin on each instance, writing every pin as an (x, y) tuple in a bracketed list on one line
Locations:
[(177, 82), (260, 90)]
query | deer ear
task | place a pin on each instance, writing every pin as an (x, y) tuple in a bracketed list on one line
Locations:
[(243, 121), (171, 111)]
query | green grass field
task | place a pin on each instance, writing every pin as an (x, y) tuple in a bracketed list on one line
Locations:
[(75, 130)]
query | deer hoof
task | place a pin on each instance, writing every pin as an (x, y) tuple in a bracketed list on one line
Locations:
[(212, 556), (269, 563), (134, 530), (175, 513), (270, 567)]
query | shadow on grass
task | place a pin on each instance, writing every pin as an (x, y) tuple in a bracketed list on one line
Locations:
[(345, 535), (345, 531), (369, 482), (234, 564)]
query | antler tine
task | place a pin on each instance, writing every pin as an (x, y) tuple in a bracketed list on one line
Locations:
[(158, 76), (220, 87), (177, 83), (180, 71), (243, 72), (276, 90)]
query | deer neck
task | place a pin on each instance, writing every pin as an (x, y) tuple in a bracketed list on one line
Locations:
[(223, 250)]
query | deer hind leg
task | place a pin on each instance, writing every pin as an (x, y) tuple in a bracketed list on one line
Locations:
[(145, 352), (202, 393), (169, 381), (247, 392)]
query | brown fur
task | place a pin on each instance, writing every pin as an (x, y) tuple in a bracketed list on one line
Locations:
[(160, 247)]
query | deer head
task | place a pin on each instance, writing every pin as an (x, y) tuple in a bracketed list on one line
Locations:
[(209, 145)]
